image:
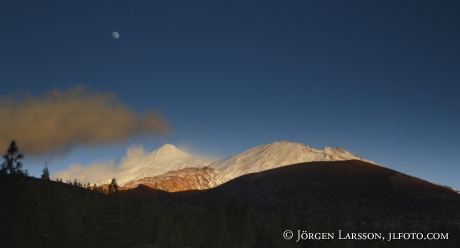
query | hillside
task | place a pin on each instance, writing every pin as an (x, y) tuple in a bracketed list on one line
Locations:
[(341, 189)]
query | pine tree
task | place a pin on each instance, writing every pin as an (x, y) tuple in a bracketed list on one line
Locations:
[(12, 164), (46, 173), (113, 187)]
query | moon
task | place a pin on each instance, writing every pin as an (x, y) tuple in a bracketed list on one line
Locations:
[(115, 35)]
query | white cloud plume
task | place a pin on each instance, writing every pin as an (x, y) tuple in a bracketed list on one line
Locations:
[(104, 170)]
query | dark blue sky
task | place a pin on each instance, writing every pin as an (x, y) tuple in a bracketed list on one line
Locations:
[(379, 79)]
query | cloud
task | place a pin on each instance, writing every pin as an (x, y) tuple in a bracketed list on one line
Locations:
[(99, 171), (55, 121), (90, 174), (103, 171)]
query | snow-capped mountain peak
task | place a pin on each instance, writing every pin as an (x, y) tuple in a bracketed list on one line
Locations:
[(277, 154), (137, 164), (168, 149)]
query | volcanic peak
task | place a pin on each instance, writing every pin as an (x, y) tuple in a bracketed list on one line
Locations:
[(162, 160), (169, 149)]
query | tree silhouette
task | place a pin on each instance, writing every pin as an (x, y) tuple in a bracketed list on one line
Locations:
[(12, 164), (46, 173), (113, 187)]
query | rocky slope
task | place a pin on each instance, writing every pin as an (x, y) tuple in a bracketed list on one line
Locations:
[(183, 179)]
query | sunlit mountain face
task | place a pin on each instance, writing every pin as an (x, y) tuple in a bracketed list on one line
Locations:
[(172, 170), (165, 159)]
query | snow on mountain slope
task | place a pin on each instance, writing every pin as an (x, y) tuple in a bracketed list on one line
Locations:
[(164, 159), (277, 154), (183, 179), (166, 167)]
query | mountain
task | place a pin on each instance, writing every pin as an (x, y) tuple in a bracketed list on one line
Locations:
[(277, 154), (339, 190), (165, 159), (171, 169), (183, 179)]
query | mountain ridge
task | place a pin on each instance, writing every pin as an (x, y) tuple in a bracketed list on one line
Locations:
[(278, 154), (170, 169), (342, 189), (169, 159)]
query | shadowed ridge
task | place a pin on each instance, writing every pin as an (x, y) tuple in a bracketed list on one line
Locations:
[(340, 189), (144, 190), (345, 175)]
